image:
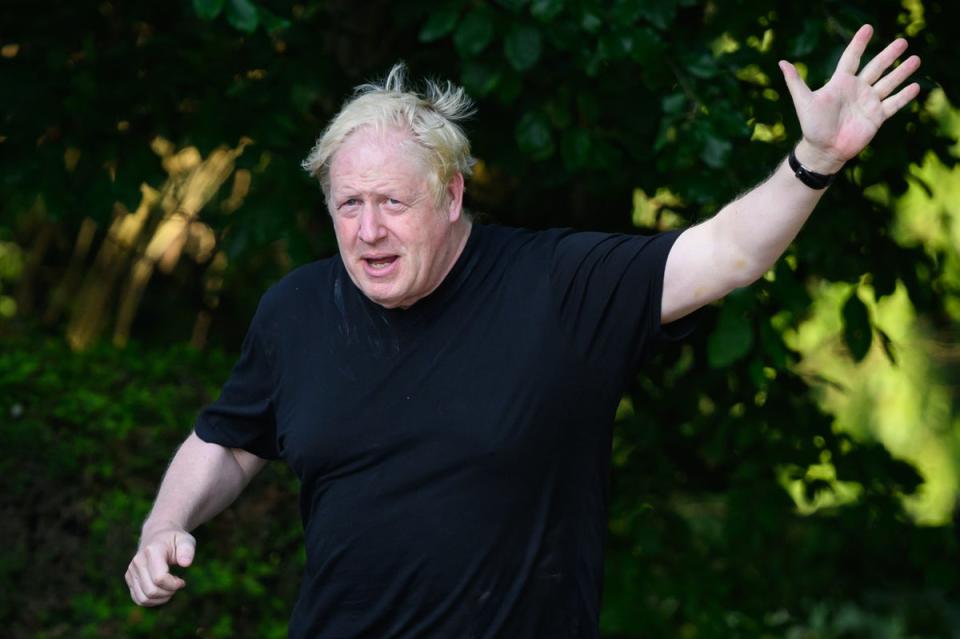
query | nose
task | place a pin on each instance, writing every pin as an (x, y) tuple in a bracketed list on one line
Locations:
[(371, 228)]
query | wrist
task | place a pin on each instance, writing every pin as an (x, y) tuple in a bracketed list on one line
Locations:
[(153, 526), (817, 160)]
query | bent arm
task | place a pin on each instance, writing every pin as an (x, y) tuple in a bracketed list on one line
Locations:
[(746, 237), (201, 481), (741, 242)]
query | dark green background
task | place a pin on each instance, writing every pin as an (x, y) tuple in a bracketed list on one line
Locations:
[(580, 104)]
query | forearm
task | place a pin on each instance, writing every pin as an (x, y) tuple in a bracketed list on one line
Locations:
[(753, 231), (741, 242), (200, 482)]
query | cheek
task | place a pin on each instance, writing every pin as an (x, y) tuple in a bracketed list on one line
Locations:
[(344, 230)]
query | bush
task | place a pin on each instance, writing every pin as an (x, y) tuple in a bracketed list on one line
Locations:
[(87, 438)]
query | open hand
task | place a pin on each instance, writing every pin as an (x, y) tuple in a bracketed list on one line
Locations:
[(840, 118), (148, 576)]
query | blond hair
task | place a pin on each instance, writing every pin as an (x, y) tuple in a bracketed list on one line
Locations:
[(431, 117)]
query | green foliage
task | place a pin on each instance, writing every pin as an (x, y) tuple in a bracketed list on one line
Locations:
[(580, 104), (87, 438), (242, 15), (522, 47), (208, 9)]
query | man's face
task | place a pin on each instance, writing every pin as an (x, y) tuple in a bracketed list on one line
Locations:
[(396, 244)]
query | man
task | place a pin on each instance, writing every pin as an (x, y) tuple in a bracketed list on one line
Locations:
[(445, 390)]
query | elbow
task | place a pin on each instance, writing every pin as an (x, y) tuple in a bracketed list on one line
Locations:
[(249, 463), (740, 268), (744, 274), (736, 265)]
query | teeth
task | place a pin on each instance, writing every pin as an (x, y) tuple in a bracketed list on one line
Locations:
[(380, 264)]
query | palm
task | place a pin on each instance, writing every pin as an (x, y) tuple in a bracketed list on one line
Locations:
[(841, 117)]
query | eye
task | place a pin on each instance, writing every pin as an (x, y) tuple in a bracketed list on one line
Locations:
[(394, 205), (348, 206)]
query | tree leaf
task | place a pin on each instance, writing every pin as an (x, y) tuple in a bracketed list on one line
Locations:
[(441, 22), (673, 103), (546, 10), (534, 136), (857, 331), (478, 78), (242, 15), (715, 151), (522, 47), (659, 13), (207, 9), (271, 21), (773, 345), (704, 67), (473, 34), (808, 38), (731, 339)]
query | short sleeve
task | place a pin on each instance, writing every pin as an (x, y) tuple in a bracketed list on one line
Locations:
[(609, 289), (243, 415)]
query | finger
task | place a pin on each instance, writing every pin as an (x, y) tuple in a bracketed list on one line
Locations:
[(136, 594), (144, 579), (901, 99), (882, 61), (798, 89), (184, 548), (128, 577), (143, 599), (850, 60), (895, 78), (160, 572)]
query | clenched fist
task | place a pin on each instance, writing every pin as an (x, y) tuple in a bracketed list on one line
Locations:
[(148, 576)]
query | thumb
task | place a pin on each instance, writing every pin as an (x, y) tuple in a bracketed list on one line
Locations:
[(184, 547), (798, 89)]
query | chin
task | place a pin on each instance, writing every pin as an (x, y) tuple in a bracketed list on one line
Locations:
[(383, 298)]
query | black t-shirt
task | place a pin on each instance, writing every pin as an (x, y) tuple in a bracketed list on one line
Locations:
[(454, 456)]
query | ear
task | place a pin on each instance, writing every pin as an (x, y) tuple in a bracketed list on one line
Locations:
[(455, 197)]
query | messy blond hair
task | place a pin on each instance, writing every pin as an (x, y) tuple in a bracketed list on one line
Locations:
[(431, 117)]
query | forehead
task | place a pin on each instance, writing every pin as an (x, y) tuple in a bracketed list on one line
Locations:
[(369, 156)]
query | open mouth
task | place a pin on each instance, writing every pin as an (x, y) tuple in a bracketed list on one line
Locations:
[(380, 265), (381, 262)]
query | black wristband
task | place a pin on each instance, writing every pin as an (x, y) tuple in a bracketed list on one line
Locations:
[(810, 178)]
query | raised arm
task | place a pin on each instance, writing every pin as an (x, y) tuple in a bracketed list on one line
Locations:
[(741, 242), (200, 482)]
